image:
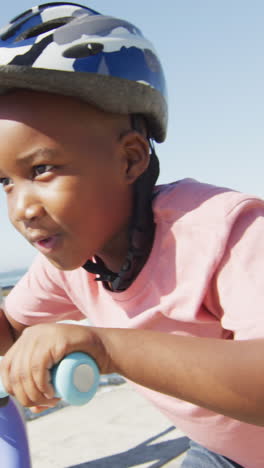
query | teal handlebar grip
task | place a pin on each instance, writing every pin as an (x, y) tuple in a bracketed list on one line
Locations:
[(75, 379)]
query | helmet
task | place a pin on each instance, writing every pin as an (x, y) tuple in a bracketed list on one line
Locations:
[(69, 49)]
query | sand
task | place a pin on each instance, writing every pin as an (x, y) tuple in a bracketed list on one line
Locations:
[(117, 429)]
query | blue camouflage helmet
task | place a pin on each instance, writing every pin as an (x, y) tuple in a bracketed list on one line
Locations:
[(69, 49)]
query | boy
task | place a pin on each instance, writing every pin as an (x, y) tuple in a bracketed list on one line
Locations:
[(169, 276)]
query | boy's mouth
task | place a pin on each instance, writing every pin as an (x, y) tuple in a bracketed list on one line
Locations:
[(47, 243)]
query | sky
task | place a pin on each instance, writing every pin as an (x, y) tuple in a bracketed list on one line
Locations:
[(212, 54)]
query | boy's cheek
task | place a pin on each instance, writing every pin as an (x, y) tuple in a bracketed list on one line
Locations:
[(18, 227), (13, 221)]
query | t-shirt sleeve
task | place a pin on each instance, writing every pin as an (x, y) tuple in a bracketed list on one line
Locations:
[(40, 296), (237, 288)]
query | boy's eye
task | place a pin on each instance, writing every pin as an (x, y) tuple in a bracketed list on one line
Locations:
[(5, 181), (42, 168)]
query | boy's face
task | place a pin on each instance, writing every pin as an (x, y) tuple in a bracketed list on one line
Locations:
[(64, 174)]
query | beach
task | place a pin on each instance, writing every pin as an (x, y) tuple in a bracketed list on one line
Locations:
[(116, 429)]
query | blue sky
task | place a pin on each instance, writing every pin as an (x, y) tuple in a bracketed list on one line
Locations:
[(212, 54)]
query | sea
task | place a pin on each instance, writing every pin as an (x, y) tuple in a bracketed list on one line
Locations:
[(9, 279)]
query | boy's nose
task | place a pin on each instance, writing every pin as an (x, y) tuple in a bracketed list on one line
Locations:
[(27, 207)]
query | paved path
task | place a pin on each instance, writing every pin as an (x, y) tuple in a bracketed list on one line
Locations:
[(117, 429)]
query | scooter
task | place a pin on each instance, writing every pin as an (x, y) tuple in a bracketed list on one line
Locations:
[(75, 379)]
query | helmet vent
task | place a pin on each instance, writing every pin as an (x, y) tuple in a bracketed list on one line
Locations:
[(55, 4), (51, 5), (16, 26), (83, 50), (42, 28), (26, 13)]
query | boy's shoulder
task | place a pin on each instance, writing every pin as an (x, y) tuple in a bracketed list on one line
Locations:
[(189, 200)]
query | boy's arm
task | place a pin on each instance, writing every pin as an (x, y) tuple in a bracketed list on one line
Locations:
[(10, 330), (224, 376)]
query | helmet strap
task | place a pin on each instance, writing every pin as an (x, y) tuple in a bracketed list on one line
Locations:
[(141, 230)]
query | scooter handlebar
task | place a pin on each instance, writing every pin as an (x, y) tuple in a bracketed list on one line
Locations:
[(75, 379)]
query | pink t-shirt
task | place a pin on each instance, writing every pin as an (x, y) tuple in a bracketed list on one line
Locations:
[(204, 277)]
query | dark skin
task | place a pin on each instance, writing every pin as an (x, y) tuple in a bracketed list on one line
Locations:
[(53, 174), (95, 163)]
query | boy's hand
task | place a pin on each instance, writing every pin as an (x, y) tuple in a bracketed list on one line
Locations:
[(25, 367)]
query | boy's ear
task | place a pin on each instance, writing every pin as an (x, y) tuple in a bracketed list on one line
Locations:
[(135, 154)]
